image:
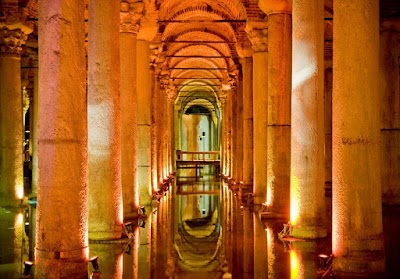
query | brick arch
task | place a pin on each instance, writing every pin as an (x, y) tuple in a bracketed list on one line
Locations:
[(233, 9)]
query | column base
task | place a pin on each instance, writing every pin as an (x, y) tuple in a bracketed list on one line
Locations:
[(308, 232), (61, 268), (105, 236), (345, 266)]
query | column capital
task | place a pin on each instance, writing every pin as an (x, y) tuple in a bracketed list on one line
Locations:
[(244, 49), (13, 29), (11, 40), (257, 32), (170, 93), (275, 6), (130, 16), (148, 24)]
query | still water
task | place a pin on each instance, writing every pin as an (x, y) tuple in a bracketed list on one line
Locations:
[(199, 229)]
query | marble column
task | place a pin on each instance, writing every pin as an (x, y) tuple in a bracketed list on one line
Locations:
[(307, 195), (279, 103), (258, 34), (357, 239), (245, 52), (390, 112), (62, 216), (104, 121), (12, 37), (128, 32)]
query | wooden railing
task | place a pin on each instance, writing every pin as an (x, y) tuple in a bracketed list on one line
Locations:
[(197, 155)]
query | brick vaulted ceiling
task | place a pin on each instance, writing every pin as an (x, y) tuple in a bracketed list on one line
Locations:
[(199, 38)]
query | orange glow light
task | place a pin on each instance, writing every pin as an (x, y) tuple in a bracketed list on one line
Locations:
[(269, 195), (19, 191), (294, 199), (294, 265)]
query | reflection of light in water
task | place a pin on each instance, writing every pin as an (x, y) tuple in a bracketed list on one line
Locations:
[(294, 265), (271, 253), (120, 266), (294, 199)]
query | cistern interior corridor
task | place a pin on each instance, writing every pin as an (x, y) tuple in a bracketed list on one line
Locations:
[(199, 139)]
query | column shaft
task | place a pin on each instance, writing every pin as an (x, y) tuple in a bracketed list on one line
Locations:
[(144, 121), (130, 192), (390, 116), (61, 236), (356, 196), (279, 96), (104, 130), (247, 69), (260, 121), (307, 200), (11, 163)]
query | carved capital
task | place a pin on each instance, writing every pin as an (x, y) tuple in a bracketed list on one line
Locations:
[(148, 24), (170, 93), (130, 16), (275, 6), (244, 49), (11, 41), (257, 32)]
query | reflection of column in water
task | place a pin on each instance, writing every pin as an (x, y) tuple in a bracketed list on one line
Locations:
[(130, 257), (261, 262), (303, 263), (12, 231), (278, 258), (248, 244)]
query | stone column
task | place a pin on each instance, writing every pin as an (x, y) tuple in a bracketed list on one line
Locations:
[(357, 239), (104, 123), (144, 121), (279, 97), (245, 52), (171, 96), (390, 114), (307, 199), (257, 32), (13, 35), (328, 126), (62, 216), (129, 27)]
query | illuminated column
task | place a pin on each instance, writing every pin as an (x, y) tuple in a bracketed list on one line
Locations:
[(144, 121), (228, 124), (390, 114), (246, 52), (307, 195), (110, 259), (222, 103), (128, 31), (154, 129), (104, 130), (279, 96), (357, 238), (61, 235), (328, 126), (12, 37), (258, 34), (171, 96)]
